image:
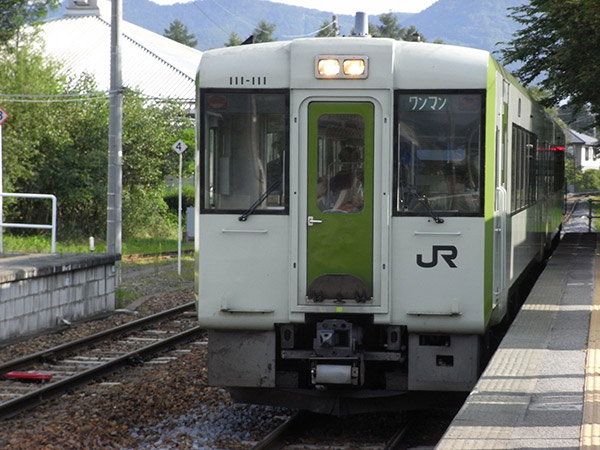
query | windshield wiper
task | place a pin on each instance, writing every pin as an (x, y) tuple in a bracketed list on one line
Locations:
[(423, 200), (258, 201)]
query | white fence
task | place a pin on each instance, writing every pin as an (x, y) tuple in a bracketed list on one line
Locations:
[(51, 226)]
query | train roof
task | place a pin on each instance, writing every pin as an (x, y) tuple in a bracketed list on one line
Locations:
[(391, 64)]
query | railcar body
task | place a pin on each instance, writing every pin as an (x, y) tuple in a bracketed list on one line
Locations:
[(365, 208)]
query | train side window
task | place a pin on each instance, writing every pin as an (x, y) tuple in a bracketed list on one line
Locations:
[(438, 161), (244, 151), (524, 168)]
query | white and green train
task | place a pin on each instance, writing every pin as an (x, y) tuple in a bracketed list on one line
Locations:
[(366, 209)]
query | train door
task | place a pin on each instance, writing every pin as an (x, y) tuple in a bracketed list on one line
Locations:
[(340, 201), (501, 202)]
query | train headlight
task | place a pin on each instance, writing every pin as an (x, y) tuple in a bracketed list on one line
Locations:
[(328, 67), (354, 67), (341, 67)]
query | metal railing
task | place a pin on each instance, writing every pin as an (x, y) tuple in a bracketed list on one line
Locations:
[(590, 214), (51, 226)]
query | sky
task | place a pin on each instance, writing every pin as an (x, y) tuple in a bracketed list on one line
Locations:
[(372, 7)]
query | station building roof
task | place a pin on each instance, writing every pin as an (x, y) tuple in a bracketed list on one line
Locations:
[(582, 139), (152, 64)]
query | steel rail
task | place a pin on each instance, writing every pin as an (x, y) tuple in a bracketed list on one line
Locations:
[(52, 353), (397, 440), (275, 440), (135, 257), (35, 398)]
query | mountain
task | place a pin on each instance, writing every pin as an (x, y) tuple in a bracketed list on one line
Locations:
[(472, 23)]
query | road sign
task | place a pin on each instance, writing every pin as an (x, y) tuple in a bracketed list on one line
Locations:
[(3, 116), (179, 147)]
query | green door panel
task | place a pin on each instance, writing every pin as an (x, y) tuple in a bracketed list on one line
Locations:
[(340, 191)]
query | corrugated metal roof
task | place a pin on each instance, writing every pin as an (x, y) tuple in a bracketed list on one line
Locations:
[(580, 138), (152, 64)]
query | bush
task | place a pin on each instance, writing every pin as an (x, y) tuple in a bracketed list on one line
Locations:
[(145, 215), (590, 181), (171, 197)]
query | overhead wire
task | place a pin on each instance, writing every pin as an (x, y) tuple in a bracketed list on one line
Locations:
[(101, 95), (195, 3), (54, 98), (261, 29), (329, 25)]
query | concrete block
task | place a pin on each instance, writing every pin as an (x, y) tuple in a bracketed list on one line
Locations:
[(99, 273), (42, 284), (110, 301), (79, 277), (4, 291), (44, 301), (9, 308), (28, 303), (110, 283), (20, 306), (102, 287), (54, 298), (34, 286)]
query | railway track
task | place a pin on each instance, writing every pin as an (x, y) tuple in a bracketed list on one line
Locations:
[(297, 433), (78, 362), (142, 257)]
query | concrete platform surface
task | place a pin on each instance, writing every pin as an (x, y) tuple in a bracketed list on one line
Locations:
[(531, 395)]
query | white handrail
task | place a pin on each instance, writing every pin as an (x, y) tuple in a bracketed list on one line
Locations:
[(52, 226)]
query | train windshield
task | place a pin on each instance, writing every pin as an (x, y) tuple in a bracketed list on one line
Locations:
[(244, 151), (439, 154)]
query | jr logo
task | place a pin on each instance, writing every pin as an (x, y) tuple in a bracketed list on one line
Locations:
[(448, 252)]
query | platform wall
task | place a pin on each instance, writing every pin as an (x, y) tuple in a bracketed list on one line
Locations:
[(37, 292)]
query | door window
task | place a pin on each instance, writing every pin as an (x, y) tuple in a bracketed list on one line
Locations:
[(340, 163)]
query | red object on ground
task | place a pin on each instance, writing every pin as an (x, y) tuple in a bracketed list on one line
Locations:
[(32, 375)]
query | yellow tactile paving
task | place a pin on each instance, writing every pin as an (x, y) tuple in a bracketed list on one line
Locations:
[(590, 428)]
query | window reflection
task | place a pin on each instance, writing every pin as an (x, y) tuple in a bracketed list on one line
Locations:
[(340, 163), (439, 160), (245, 151)]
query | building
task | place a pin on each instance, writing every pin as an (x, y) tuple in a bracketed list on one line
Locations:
[(584, 149), (152, 64)]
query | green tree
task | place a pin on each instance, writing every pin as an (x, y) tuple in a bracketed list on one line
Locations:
[(180, 33), (326, 29), (15, 14), (264, 32), (558, 45), (60, 147), (390, 28), (234, 40)]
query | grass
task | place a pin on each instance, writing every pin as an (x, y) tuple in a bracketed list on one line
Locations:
[(43, 244)]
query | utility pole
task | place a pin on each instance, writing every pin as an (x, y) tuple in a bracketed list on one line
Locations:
[(115, 133)]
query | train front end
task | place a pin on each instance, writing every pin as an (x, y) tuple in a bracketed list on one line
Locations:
[(341, 226)]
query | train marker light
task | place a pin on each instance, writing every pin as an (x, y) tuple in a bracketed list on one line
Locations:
[(341, 67), (328, 67), (354, 67)]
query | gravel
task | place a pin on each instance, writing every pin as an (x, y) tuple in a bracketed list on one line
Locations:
[(160, 406)]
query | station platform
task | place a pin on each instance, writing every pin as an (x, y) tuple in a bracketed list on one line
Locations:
[(541, 389), (42, 291)]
